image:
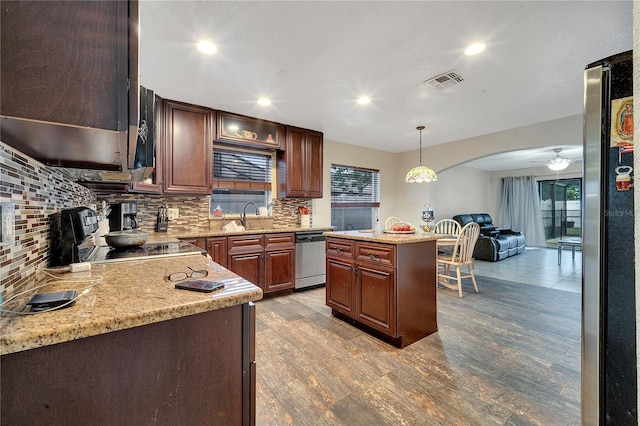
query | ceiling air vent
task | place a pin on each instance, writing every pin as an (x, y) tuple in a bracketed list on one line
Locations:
[(445, 80)]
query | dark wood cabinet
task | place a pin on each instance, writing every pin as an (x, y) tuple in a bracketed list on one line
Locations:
[(266, 260), (132, 376), (340, 285), (279, 262), (188, 148), (154, 183), (251, 132), (375, 296), (388, 289), (69, 81), (217, 249), (300, 169), (198, 242)]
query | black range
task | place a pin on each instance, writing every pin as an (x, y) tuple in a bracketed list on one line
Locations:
[(103, 254)]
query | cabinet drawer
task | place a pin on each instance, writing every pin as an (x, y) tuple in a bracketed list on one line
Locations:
[(288, 239), (339, 248), (245, 242), (376, 253)]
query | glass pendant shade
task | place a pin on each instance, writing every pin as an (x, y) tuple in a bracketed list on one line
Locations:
[(421, 174), (558, 163)]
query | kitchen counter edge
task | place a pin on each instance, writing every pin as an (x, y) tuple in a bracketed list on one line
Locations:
[(158, 237), (130, 294), (382, 237)]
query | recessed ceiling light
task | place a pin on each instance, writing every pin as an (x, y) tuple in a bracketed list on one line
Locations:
[(264, 101), (205, 46), (363, 100), (474, 48)]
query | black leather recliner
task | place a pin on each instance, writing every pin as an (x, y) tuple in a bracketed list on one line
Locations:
[(494, 243)]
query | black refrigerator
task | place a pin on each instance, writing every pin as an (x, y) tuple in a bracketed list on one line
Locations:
[(609, 368)]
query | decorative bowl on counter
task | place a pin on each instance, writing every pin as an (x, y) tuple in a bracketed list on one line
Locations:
[(126, 239), (394, 225)]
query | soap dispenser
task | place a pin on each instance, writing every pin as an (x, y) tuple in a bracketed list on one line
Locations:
[(217, 212)]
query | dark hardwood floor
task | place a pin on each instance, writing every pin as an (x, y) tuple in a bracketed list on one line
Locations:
[(509, 355)]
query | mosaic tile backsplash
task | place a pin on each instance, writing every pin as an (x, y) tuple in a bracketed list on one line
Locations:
[(38, 191)]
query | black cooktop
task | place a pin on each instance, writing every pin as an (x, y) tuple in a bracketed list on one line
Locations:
[(102, 254)]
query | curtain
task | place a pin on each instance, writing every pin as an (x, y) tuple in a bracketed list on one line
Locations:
[(520, 208)]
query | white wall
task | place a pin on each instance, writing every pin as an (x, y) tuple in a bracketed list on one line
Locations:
[(462, 190)]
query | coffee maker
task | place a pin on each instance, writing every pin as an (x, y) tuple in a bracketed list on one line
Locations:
[(123, 216)]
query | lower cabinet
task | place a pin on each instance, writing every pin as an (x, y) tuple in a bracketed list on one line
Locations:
[(217, 249), (198, 242), (155, 373), (267, 260), (387, 289)]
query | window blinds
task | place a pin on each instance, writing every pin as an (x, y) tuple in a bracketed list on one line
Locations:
[(241, 170), (354, 186)]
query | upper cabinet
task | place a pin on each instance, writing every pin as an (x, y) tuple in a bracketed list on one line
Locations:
[(247, 131), (300, 164), (188, 148), (65, 72)]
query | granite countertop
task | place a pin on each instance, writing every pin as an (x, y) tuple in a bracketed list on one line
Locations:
[(130, 294), (388, 238), (156, 237)]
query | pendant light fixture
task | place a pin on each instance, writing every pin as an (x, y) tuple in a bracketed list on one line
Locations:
[(558, 163), (420, 174)]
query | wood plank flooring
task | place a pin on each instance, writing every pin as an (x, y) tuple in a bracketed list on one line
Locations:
[(509, 355)]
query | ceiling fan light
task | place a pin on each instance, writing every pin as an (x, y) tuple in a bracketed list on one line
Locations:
[(558, 163)]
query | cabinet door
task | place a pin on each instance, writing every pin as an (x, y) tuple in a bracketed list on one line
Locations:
[(313, 157), (375, 298), (66, 70), (153, 184), (248, 131), (217, 249), (66, 62), (295, 162), (198, 242), (188, 148), (249, 266), (340, 285), (279, 269)]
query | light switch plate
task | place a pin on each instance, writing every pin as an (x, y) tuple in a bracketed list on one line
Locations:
[(174, 214), (7, 223)]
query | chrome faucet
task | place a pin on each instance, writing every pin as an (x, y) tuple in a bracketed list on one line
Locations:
[(243, 218)]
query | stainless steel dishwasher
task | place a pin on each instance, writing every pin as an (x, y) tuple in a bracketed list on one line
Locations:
[(310, 259)]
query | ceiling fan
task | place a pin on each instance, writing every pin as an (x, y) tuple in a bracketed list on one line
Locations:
[(558, 163)]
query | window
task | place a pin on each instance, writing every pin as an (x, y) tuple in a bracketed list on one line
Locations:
[(240, 177), (560, 201), (355, 197)]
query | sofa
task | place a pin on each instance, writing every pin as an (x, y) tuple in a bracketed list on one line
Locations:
[(494, 243)]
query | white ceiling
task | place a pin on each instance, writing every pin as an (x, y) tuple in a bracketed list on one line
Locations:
[(314, 58)]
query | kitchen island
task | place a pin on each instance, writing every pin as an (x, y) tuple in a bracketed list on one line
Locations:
[(383, 283), (133, 350)]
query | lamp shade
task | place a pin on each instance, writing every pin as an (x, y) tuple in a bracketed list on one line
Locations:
[(558, 163), (420, 173)]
